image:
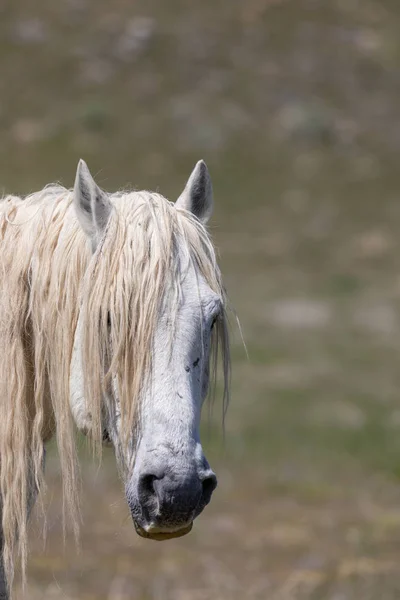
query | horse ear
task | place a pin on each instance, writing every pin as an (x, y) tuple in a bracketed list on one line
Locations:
[(197, 197), (92, 206)]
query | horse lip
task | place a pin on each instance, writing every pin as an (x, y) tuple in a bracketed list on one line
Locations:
[(161, 535)]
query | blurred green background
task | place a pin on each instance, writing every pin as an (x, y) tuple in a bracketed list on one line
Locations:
[(295, 106)]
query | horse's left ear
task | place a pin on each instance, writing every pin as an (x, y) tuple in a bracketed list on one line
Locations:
[(92, 205), (197, 197)]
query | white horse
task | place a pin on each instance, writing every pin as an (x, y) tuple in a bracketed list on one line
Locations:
[(110, 306)]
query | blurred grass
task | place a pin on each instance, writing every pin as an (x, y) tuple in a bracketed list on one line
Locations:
[(294, 106)]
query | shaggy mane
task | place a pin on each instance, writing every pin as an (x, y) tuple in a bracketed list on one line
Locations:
[(48, 274)]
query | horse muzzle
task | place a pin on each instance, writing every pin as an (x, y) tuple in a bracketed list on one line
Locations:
[(164, 503)]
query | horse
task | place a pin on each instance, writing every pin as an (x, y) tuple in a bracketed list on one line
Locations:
[(113, 315)]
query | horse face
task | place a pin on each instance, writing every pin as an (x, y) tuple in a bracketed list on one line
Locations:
[(171, 481), (168, 480)]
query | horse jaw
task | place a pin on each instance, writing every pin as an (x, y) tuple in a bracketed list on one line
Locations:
[(79, 409)]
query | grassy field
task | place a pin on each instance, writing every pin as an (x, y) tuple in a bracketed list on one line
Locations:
[(295, 107)]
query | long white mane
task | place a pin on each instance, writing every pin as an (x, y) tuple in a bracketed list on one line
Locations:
[(47, 276)]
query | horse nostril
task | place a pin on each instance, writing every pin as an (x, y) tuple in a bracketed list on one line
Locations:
[(209, 484), (146, 486)]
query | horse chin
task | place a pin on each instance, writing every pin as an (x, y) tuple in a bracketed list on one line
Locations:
[(160, 536)]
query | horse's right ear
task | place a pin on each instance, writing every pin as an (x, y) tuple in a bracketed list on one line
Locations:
[(92, 205)]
